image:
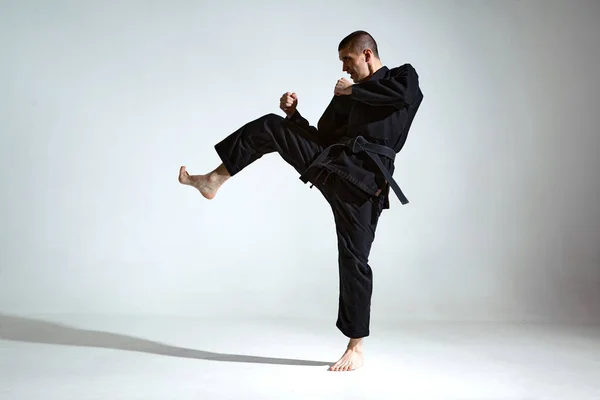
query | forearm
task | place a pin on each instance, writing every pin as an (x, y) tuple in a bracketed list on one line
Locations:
[(299, 120), (336, 114), (306, 130)]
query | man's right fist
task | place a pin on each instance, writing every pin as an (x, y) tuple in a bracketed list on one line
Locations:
[(288, 103)]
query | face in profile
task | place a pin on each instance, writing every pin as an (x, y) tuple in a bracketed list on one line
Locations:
[(355, 64)]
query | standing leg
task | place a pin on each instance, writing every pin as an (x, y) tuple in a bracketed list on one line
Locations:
[(267, 134), (356, 216)]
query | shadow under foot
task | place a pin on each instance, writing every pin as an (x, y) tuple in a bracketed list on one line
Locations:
[(30, 330)]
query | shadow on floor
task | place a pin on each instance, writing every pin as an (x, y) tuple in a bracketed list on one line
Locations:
[(29, 330)]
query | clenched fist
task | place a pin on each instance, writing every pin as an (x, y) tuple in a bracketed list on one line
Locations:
[(288, 103), (343, 87)]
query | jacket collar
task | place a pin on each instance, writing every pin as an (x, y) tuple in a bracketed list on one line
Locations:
[(380, 73)]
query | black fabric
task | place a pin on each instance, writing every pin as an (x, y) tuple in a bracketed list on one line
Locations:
[(350, 158), (381, 110), (356, 216), (355, 212), (267, 134), (355, 146)]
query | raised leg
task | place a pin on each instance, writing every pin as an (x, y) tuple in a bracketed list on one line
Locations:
[(267, 134)]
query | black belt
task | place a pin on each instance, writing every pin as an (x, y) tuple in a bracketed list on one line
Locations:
[(360, 144)]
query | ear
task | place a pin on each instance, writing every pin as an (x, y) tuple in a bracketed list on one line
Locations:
[(367, 55)]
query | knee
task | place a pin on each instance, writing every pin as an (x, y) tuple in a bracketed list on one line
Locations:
[(272, 123), (271, 117)]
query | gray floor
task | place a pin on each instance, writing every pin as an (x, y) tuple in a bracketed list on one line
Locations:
[(93, 357)]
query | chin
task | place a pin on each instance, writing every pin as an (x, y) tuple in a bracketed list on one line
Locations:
[(357, 78)]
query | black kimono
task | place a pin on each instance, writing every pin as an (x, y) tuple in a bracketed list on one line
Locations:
[(349, 157)]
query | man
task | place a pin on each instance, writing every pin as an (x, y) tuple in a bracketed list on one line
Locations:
[(348, 157)]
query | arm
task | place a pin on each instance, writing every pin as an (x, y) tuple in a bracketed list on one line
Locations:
[(399, 90), (302, 122), (335, 115), (332, 123), (307, 130), (327, 132)]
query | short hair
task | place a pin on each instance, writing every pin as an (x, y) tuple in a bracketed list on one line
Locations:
[(359, 41)]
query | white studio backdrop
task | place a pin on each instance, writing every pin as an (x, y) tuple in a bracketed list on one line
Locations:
[(101, 102)]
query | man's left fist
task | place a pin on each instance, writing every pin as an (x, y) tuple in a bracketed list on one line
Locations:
[(343, 87)]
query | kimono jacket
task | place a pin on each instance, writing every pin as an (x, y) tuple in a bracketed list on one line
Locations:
[(362, 132)]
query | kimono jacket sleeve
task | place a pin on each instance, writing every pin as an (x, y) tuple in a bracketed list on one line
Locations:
[(399, 90), (332, 124)]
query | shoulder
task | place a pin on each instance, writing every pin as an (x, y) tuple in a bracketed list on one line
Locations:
[(404, 68), (404, 71)]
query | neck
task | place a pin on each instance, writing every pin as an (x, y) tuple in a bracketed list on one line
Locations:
[(373, 67)]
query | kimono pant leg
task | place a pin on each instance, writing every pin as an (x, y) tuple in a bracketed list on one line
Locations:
[(356, 215), (267, 134)]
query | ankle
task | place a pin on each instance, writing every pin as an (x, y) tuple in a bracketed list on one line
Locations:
[(212, 176), (222, 171), (215, 177), (355, 345)]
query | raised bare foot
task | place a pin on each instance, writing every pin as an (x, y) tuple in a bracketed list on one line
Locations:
[(352, 359), (207, 185)]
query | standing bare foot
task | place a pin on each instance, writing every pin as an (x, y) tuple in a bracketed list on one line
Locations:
[(208, 184), (352, 359)]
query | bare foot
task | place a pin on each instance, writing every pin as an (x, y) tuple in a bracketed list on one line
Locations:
[(352, 359), (207, 185)]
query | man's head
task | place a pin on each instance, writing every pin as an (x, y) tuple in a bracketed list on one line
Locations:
[(359, 55)]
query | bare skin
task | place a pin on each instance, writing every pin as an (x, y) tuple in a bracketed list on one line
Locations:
[(208, 185), (352, 359)]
